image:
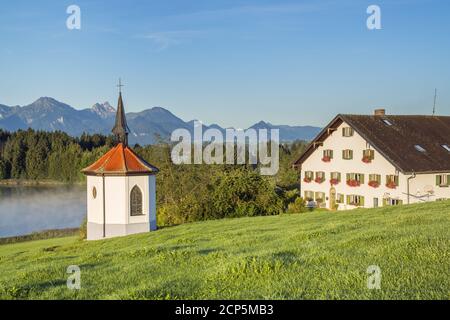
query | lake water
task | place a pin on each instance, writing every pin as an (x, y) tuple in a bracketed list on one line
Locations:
[(25, 209)]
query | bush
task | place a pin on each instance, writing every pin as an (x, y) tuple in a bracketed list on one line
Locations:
[(244, 192), (231, 193), (298, 206)]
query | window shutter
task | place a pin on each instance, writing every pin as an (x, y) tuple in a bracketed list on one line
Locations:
[(331, 154), (361, 201), (448, 180), (378, 176), (348, 176), (343, 154), (396, 180), (339, 177), (372, 154), (348, 199), (438, 180), (341, 198), (400, 202), (362, 178), (384, 202), (350, 154)]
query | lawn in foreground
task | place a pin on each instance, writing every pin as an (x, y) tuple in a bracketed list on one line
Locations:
[(318, 255)]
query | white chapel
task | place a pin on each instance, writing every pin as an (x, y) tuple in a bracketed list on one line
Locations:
[(121, 188)]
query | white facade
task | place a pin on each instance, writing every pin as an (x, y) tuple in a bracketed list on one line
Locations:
[(109, 205), (422, 187)]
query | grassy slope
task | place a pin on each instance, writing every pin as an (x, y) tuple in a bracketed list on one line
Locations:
[(312, 255)]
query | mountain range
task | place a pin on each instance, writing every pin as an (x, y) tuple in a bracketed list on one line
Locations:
[(49, 114)]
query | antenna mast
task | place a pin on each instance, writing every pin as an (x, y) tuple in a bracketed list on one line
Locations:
[(434, 104)]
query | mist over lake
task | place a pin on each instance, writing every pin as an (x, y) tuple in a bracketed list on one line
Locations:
[(25, 209)]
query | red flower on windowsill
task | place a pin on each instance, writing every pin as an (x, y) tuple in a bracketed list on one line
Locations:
[(334, 182), (374, 184), (319, 180), (366, 159), (391, 185), (326, 159), (353, 183), (307, 179)]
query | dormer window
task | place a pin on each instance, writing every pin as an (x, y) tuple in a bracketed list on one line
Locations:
[(420, 148), (347, 131), (446, 147), (387, 122)]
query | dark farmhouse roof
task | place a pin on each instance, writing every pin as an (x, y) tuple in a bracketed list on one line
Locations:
[(396, 139)]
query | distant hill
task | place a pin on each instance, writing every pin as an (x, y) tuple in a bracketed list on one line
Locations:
[(146, 126)]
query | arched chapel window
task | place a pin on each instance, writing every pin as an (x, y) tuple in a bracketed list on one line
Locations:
[(136, 201)]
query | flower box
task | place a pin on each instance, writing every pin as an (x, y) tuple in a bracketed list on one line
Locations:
[(326, 159), (353, 183), (374, 184), (391, 185), (334, 182), (307, 179), (366, 159), (319, 180)]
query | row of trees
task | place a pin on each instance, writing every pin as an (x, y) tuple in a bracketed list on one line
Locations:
[(41, 155), (185, 192)]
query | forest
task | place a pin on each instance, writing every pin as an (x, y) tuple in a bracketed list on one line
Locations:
[(185, 193)]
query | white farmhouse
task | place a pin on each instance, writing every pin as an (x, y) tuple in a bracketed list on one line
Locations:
[(121, 189), (377, 160)]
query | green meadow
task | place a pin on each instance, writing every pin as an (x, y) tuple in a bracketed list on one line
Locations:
[(314, 255)]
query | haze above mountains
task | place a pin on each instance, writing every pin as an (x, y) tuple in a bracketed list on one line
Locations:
[(49, 114)]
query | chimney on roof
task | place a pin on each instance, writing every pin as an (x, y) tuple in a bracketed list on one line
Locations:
[(379, 112)]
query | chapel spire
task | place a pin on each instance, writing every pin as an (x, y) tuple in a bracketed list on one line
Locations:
[(120, 129)]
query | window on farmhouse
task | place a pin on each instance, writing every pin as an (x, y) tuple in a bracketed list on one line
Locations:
[(368, 155), (347, 131), (136, 201), (339, 198), (355, 200), (320, 197), (335, 176), (320, 177), (309, 195), (374, 180), (309, 176), (392, 202), (357, 177), (391, 181), (327, 155), (347, 154), (443, 180)]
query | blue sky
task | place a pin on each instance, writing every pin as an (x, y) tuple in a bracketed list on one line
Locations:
[(230, 62)]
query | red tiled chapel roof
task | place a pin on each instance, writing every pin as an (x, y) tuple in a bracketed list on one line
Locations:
[(120, 160)]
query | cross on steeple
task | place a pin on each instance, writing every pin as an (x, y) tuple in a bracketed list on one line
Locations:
[(120, 85)]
